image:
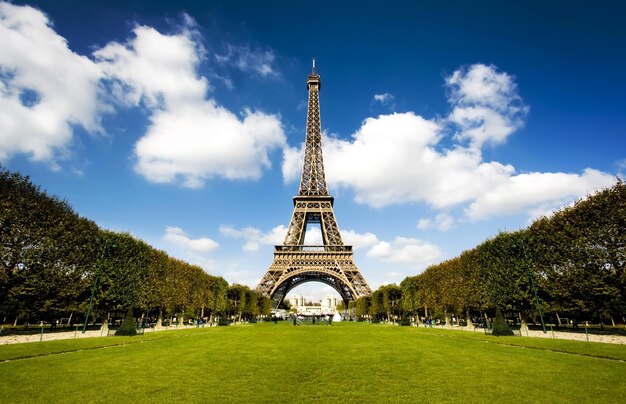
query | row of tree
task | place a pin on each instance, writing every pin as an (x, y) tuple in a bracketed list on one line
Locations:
[(571, 264), (53, 262)]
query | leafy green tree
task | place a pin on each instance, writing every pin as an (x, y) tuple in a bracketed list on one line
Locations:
[(377, 306), (505, 270), (392, 300), (47, 255), (580, 255), (236, 295), (362, 306), (124, 269)]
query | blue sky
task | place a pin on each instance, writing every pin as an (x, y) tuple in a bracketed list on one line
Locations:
[(182, 122)]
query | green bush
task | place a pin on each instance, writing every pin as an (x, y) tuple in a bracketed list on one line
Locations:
[(128, 326), (223, 321), (499, 326), (405, 320)]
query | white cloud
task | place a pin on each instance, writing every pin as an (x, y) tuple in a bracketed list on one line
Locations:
[(486, 106), (254, 237), (399, 158), (442, 222), (157, 69), (179, 238), (403, 250), (358, 240), (249, 60), (546, 191), (385, 99), (45, 88), (190, 137)]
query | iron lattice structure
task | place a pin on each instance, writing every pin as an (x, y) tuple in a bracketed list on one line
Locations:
[(331, 263)]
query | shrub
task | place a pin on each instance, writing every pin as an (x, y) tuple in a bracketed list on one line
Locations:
[(128, 326), (499, 325)]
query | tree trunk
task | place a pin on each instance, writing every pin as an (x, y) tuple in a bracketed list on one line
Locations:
[(159, 323), (104, 328), (181, 320), (523, 329), (558, 319), (69, 320), (612, 321), (425, 311), (15, 322), (202, 312)]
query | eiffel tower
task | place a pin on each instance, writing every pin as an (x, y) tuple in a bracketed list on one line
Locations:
[(331, 263)]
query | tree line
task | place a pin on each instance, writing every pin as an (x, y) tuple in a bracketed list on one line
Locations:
[(54, 262), (570, 265)]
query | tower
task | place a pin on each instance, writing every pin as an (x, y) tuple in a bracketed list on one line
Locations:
[(330, 263)]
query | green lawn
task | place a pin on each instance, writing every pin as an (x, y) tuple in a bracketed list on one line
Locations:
[(348, 362)]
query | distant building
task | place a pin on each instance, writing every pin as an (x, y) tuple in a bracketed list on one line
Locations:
[(326, 306)]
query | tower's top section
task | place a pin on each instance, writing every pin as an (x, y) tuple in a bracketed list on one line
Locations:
[(314, 80), (313, 182)]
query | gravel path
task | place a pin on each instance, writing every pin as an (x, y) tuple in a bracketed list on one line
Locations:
[(18, 339)]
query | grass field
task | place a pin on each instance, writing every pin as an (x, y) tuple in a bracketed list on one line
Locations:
[(349, 362)]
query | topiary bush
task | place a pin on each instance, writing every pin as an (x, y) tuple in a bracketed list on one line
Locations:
[(405, 320), (223, 321), (500, 328), (128, 326)]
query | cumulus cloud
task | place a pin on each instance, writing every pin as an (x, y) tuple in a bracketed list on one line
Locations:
[(191, 138), (179, 238), (254, 237), (404, 250), (400, 158), (358, 240), (45, 88), (486, 106), (157, 69), (543, 190)]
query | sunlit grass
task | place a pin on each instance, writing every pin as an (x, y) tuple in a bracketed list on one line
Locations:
[(281, 363)]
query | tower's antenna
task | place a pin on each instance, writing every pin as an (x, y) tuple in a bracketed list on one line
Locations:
[(313, 65)]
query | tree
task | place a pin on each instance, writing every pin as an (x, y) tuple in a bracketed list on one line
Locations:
[(124, 269), (236, 295), (392, 300), (363, 305), (505, 272), (47, 255), (580, 255)]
